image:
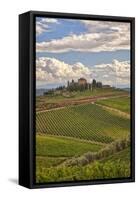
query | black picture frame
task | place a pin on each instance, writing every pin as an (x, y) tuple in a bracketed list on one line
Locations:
[(27, 81)]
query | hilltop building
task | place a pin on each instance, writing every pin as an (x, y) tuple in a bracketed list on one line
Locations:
[(82, 81), (82, 84)]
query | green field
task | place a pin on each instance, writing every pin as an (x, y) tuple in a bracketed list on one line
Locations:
[(69, 133), (51, 150), (122, 104), (65, 147)]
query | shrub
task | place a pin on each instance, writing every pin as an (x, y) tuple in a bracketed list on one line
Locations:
[(97, 170), (103, 153)]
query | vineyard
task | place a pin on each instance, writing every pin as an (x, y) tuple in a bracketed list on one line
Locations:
[(89, 122), (85, 141)]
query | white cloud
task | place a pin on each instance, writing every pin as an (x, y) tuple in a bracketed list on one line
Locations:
[(100, 36), (116, 73), (106, 26), (49, 20), (53, 71), (42, 25)]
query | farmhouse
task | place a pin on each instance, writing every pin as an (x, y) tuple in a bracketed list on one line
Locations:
[(81, 85), (82, 81)]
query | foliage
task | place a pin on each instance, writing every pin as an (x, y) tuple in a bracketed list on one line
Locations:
[(94, 83), (88, 157), (112, 168)]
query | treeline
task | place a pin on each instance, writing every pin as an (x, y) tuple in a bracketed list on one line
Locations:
[(74, 86), (89, 157)]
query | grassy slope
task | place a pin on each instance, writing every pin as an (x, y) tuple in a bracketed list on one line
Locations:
[(116, 166), (59, 146), (90, 122), (43, 162), (122, 104), (123, 156), (51, 151), (78, 95)]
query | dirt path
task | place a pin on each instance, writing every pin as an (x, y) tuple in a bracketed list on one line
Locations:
[(59, 108), (81, 101), (121, 113)]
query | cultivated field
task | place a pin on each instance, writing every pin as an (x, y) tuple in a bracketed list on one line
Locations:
[(122, 104), (88, 121), (115, 166), (86, 140), (75, 98)]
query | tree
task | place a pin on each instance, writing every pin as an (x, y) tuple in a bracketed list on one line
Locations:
[(94, 83), (99, 84)]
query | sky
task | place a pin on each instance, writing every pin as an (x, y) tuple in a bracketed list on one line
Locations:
[(69, 49)]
